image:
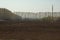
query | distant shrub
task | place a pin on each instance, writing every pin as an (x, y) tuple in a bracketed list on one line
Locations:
[(47, 19), (58, 19)]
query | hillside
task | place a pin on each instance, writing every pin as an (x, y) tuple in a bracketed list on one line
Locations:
[(6, 14)]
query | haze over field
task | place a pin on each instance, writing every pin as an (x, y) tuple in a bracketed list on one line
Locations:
[(38, 15), (30, 5), (34, 9)]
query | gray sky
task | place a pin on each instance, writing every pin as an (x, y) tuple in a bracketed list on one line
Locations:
[(30, 5)]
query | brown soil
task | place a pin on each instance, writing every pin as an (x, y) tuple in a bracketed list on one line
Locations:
[(29, 31)]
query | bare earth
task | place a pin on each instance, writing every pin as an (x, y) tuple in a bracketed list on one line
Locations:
[(29, 31)]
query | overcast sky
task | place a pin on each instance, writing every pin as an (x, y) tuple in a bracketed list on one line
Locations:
[(30, 5)]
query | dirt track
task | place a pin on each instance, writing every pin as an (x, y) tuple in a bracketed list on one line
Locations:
[(29, 31)]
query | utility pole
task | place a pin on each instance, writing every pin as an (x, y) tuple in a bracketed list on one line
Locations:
[(52, 14)]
